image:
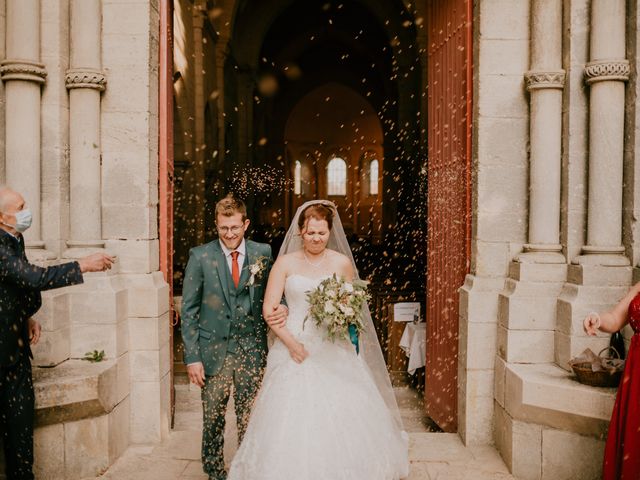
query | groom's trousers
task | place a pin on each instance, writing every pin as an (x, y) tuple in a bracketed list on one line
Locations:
[(16, 418), (244, 371)]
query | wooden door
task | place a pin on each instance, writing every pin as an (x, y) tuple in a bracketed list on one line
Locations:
[(165, 161), (449, 63)]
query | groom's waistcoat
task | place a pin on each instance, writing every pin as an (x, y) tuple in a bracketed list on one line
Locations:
[(218, 318), (242, 332)]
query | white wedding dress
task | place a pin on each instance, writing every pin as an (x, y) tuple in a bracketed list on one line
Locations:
[(323, 419)]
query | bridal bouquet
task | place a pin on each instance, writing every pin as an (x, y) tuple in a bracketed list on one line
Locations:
[(337, 305)]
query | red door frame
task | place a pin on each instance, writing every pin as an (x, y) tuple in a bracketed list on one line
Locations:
[(449, 110), (165, 167)]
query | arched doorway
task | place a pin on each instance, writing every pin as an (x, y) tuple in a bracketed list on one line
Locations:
[(263, 60), (336, 97)]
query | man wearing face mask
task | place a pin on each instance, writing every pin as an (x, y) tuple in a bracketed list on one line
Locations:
[(20, 285)]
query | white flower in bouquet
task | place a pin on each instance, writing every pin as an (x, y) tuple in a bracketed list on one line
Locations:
[(328, 306), (337, 305)]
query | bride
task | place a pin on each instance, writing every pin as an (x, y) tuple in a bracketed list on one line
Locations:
[(324, 412)]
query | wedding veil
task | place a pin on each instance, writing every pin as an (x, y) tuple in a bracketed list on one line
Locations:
[(370, 350)]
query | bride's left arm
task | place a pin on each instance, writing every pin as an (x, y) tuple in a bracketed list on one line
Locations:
[(346, 268), (275, 286)]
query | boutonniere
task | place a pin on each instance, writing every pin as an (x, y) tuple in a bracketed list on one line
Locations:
[(256, 269)]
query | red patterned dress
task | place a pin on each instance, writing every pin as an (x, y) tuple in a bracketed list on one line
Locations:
[(622, 452)]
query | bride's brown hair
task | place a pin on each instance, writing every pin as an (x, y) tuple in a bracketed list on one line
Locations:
[(317, 211)]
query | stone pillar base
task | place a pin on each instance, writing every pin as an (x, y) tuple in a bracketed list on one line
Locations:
[(612, 256), (99, 316), (150, 352), (477, 352), (545, 254), (588, 288), (527, 312), (55, 319)]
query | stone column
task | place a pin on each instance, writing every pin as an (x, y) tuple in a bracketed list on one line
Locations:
[(23, 75), (245, 115), (545, 82), (592, 282), (605, 74), (199, 15), (85, 82)]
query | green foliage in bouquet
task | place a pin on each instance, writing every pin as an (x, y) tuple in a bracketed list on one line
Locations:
[(336, 303)]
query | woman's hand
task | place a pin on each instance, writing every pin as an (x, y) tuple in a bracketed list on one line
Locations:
[(591, 324), (298, 352)]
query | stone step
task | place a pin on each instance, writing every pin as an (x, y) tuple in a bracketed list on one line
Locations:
[(82, 417), (74, 390), (545, 394)]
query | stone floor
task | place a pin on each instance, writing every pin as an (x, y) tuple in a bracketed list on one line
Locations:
[(433, 455)]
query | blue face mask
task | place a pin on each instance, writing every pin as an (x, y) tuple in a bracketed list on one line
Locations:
[(23, 220)]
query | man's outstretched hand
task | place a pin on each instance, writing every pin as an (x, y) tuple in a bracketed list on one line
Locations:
[(96, 262)]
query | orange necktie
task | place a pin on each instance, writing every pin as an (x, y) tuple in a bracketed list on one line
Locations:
[(235, 269)]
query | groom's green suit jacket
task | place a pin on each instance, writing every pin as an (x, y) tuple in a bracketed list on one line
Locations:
[(218, 318)]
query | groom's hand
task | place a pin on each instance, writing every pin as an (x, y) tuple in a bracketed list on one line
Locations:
[(196, 373), (277, 317)]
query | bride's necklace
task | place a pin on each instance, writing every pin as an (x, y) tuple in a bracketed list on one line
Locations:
[(316, 264)]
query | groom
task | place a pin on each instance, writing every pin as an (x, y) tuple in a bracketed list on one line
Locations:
[(225, 336)]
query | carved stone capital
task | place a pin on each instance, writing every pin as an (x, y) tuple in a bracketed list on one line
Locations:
[(604, 70), (14, 69), (85, 78), (540, 80)]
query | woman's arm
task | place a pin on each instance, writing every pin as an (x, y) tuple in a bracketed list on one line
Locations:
[(614, 319), (272, 298), (345, 268)]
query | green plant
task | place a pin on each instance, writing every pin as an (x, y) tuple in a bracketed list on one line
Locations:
[(95, 356)]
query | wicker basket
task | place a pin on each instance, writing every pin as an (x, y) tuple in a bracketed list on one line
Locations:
[(603, 378)]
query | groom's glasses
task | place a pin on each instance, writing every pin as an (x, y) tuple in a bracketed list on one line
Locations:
[(234, 229)]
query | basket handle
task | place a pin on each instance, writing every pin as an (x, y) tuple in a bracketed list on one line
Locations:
[(609, 348)]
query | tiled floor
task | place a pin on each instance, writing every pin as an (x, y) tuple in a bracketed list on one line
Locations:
[(434, 456)]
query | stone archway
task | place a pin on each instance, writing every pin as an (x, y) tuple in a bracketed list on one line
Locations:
[(372, 49), (260, 60)]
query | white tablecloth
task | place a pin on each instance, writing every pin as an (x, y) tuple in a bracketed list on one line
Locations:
[(414, 343)]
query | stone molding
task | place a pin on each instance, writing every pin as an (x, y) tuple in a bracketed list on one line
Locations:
[(15, 69), (540, 80), (606, 70), (85, 78)]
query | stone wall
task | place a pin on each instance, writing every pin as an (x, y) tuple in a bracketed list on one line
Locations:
[(550, 241), (500, 123), (94, 411)]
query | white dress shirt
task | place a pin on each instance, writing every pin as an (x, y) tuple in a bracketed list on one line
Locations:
[(242, 250)]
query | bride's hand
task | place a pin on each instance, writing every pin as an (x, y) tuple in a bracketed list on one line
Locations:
[(298, 352)]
